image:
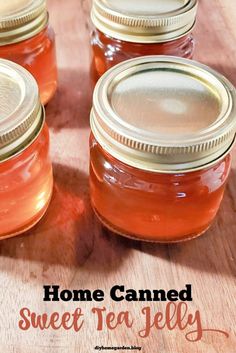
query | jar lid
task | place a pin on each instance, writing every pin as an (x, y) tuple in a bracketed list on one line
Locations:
[(21, 19), (21, 113), (165, 114), (148, 21)]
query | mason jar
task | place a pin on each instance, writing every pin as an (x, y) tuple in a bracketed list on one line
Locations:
[(26, 178), (160, 148), (127, 29), (27, 39)]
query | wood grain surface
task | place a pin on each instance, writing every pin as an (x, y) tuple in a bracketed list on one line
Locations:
[(69, 247)]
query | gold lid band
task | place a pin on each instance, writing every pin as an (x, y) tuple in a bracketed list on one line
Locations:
[(164, 114), (145, 21), (21, 113), (23, 21)]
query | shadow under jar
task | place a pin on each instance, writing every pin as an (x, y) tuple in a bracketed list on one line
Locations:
[(26, 179), (162, 132), (129, 29), (27, 39)]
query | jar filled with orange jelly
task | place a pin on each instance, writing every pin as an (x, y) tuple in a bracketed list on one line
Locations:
[(129, 29), (26, 179), (27, 39), (162, 131)]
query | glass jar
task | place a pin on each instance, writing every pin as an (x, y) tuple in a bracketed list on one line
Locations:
[(129, 29), (28, 40), (162, 132), (26, 178)]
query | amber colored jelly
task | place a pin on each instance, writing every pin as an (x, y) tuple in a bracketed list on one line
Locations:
[(38, 55), (108, 51), (26, 182), (154, 206)]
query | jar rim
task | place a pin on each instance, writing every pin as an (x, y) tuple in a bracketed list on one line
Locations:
[(164, 113), (150, 22)]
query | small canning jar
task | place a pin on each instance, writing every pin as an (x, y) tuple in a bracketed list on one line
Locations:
[(129, 29), (26, 178), (27, 39), (162, 131)]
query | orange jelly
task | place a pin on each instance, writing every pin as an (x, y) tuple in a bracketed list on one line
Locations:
[(162, 132), (155, 206), (27, 39), (129, 29), (26, 178)]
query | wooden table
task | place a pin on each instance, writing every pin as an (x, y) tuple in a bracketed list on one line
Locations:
[(70, 249)]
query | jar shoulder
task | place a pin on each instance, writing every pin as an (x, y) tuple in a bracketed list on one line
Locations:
[(37, 150), (118, 174), (43, 40), (183, 46)]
